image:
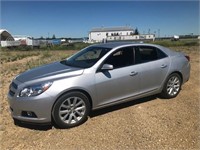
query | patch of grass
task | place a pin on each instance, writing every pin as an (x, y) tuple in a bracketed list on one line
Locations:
[(44, 57), (67, 46), (48, 57), (10, 56), (45, 54), (181, 42)]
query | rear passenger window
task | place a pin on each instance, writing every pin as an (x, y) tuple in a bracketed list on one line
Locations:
[(147, 53), (160, 54)]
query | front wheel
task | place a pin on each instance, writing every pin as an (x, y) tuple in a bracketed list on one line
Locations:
[(71, 109), (172, 86)]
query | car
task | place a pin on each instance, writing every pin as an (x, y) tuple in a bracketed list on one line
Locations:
[(65, 92)]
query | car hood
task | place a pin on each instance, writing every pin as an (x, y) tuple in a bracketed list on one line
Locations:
[(49, 71)]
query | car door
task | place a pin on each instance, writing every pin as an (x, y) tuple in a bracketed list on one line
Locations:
[(154, 65), (121, 82)]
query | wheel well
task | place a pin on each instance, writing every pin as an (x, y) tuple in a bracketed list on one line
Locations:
[(179, 73), (77, 90)]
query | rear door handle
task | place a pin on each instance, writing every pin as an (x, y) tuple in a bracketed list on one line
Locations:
[(133, 73), (163, 66)]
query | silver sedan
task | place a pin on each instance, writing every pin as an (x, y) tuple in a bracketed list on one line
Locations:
[(100, 75)]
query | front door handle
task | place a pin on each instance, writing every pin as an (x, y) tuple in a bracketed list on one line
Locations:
[(163, 66), (133, 73)]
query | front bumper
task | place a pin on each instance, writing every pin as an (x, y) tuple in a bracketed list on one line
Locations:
[(40, 105)]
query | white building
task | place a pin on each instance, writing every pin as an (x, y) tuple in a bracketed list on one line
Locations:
[(117, 34), (99, 34)]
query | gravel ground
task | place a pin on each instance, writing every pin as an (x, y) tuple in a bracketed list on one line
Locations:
[(149, 123)]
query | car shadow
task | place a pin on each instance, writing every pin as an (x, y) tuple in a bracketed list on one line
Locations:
[(105, 110), (93, 113)]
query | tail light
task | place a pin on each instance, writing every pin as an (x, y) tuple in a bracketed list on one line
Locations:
[(187, 57)]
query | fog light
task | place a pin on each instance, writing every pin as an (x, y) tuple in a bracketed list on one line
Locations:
[(29, 114)]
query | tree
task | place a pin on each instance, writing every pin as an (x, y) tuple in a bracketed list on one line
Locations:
[(136, 32)]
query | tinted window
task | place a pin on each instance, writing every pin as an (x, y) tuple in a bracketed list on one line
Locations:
[(160, 54), (148, 53), (121, 58)]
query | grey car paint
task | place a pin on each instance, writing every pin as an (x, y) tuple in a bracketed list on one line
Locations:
[(103, 88)]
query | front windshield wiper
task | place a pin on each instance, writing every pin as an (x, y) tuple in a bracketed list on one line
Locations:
[(65, 62)]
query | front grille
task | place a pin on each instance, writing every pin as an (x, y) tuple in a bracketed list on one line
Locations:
[(14, 85), (12, 89), (11, 93)]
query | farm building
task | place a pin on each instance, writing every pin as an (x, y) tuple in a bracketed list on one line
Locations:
[(7, 39), (5, 35), (99, 34), (116, 34)]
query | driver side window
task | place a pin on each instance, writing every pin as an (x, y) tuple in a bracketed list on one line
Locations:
[(121, 58)]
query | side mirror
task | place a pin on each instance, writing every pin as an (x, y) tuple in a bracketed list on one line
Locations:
[(107, 67)]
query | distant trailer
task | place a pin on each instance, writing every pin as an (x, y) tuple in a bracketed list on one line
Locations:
[(175, 38), (27, 41), (76, 41)]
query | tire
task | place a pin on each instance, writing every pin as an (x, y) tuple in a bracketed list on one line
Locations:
[(172, 86), (70, 110)]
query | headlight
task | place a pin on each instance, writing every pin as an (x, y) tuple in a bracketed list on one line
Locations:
[(34, 90)]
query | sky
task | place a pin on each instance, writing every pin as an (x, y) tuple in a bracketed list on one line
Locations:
[(76, 18)]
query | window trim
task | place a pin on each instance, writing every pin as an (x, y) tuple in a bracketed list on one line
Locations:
[(134, 48)]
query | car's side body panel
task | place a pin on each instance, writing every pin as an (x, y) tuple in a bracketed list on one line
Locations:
[(117, 84), (153, 73)]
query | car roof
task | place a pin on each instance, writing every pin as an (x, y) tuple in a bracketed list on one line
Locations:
[(117, 44), (112, 45)]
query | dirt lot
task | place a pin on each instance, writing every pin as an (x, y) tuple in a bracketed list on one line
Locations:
[(149, 123)]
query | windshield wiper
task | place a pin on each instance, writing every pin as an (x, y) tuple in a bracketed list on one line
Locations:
[(65, 62)]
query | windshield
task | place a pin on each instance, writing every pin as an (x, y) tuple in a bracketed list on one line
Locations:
[(87, 57)]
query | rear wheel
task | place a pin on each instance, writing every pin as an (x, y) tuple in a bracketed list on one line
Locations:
[(172, 86), (71, 109)]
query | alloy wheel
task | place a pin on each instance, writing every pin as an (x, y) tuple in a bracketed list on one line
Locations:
[(173, 85), (72, 110)]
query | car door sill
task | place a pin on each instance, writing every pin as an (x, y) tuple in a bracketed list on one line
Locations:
[(127, 99)]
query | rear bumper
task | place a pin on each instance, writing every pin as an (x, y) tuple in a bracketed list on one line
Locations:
[(186, 72)]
